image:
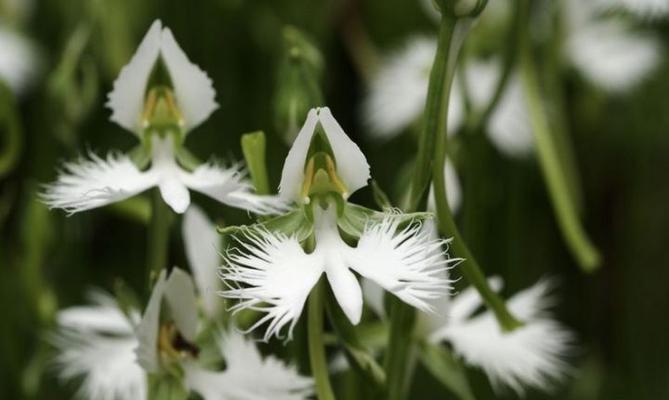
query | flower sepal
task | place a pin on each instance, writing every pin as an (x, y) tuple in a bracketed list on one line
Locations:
[(353, 218), (297, 223)]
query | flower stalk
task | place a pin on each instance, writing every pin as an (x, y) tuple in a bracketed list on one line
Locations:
[(552, 168), (319, 367), (158, 239)]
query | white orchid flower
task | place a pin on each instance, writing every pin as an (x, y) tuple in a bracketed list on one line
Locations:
[(397, 95), (19, 60), (97, 343), (271, 272), (102, 345), (605, 50), (160, 115), (529, 356)]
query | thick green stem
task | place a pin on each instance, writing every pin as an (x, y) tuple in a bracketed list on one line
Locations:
[(437, 113), (319, 367), (159, 236), (553, 171)]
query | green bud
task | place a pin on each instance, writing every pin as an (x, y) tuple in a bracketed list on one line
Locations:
[(461, 8), (253, 147), (298, 88)]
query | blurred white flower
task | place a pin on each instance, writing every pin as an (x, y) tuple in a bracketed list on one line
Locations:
[(160, 116), (272, 273), (605, 50), (97, 343), (649, 9), (111, 351), (397, 94), (532, 355), (19, 61)]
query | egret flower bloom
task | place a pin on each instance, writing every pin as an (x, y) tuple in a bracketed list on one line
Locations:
[(113, 352), (160, 96), (529, 356), (397, 95), (605, 50), (271, 271)]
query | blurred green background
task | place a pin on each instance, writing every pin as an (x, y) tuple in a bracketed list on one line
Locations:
[(620, 314)]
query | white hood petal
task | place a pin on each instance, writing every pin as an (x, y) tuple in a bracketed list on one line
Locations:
[(182, 303), (352, 165), (99, 350), (407, 263), (509, 127), (203, 244), (126, 100), (229, 186), (529, 356), (271, 273), (147, 330), (192, 87), (453, 189), (95, 182)]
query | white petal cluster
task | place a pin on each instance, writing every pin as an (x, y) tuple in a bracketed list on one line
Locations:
[(97, 343), (94, 181), (605, 50), (397, 95), (271, 273), (529, 356)]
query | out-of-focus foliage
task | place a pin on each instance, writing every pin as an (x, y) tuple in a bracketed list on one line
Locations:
[(621, 145)]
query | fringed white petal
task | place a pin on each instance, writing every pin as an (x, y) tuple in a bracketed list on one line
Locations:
[(99, 350), (19, 61), (351, 163), (397, 93), (229, 186), (248, 376), (94, 182), (193, 89), (530, 356), (147, 330), (407, 263), (271, 273), (202, 245), (126, 100), (647, 9), (352, 166)]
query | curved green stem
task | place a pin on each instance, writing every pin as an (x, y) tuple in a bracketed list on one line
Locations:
[(319, 368), (437, 111), (553, 171), (159, 236)]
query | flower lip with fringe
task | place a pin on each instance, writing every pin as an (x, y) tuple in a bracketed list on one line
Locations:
[(269, 269), (160, 96), (529, 356)]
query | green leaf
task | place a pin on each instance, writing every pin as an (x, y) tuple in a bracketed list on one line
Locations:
[(446, 369), (253, 147)]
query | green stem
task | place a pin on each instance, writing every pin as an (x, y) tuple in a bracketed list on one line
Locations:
[(437, 113), (10, 127), (553, 171), (319, 367), (159, 235)]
